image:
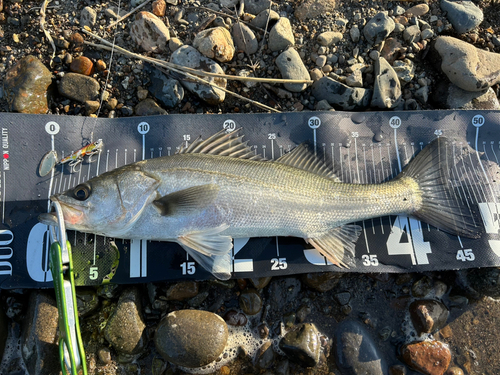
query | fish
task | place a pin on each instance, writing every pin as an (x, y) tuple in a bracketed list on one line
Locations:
[(212, 191)]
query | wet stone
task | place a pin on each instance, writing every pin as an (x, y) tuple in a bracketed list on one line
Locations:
[(422, 287), (356, 352), (302, 345), (125, 327), (86, 301), (244, 38), (397, 370), (291, 67), (25, 86), (167, 91), (378, 28), (428, 316), (463, 15), (466, 66), (149, 32), (190, 57), (215, 43), (250, 302), (39, 343), (260, 282), (78, 87), (387, 89), (321, 281), (104, 355), (182, 290), (284, 293), (427, 357), (265, 355), (148, 107), (340, 95), (191, 338), (235, 318), (281, 35), (485, 281)]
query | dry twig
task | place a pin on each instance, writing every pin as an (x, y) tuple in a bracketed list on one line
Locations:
[(43, 9)]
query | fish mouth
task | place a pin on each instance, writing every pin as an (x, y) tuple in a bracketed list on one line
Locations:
[(72, 215)]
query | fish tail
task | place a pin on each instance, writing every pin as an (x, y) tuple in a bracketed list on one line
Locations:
[(441, 206)]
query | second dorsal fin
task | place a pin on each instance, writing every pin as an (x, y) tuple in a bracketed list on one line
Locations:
[(223, 144), (300, 157)]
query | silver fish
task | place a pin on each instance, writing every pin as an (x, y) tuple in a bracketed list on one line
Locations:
[(219, 189)]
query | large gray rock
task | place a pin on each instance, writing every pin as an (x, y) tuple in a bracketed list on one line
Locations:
[(39, 344), (448, 96), (78, 87), (149, 32), (244, 38), (466, 66), (191, 338), (291, 67), (281, 35), (215, 43), (167, 90), (340, 95), (387, 89), (125, 327), (257, 6), (463, 15), (302, 345), (190, 57), (262, 18), (378, 28), (25, 86)]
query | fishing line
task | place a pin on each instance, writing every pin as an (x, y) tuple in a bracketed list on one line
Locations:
[(107, 77)]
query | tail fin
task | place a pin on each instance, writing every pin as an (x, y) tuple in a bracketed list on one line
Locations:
[(442, 207)]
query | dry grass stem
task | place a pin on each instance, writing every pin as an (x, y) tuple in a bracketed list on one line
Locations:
[(128, 14), (168, 65), (172, 67)]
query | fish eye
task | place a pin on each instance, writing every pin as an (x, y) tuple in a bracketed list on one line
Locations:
[(82, 192)]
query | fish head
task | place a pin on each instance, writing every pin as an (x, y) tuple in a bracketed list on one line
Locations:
[(108, 204)]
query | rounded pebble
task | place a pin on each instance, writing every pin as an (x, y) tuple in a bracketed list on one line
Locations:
[(191, 338)]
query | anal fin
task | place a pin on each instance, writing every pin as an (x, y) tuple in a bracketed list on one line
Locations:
[(210, 249), (338, 244)]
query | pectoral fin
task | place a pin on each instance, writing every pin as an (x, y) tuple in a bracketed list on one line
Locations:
[(210, 249), (338, 244), (187, 201)]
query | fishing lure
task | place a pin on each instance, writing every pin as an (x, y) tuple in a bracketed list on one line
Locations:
[(76, 157)]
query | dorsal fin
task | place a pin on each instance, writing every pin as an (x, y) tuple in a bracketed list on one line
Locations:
[(223, 144), (300, 157)]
